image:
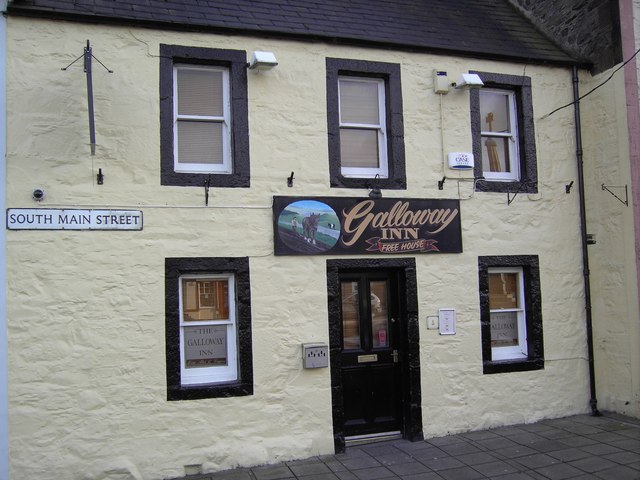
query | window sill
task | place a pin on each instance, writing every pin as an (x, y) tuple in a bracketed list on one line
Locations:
[(508, 357), (512, 365), (183, 179), (214, 390), (342, 181), (505, 186)]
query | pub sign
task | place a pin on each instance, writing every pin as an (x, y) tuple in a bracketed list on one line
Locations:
[(348, 226)]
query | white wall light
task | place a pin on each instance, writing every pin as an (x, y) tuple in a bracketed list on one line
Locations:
[(469, 80), (262, 61)]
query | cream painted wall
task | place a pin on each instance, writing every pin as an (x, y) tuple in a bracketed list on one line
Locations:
[(87, 391), (613, 258)]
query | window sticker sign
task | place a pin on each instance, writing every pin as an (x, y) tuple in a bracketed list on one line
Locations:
[(347, 226), (72, 219), (504, 329), (205, 346)]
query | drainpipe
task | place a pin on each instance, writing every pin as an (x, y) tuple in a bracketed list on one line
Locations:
[(593, 402)]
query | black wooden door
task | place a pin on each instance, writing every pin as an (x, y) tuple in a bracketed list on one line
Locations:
[(370, 357)]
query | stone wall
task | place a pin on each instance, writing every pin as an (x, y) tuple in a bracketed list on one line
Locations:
[(587, 28)]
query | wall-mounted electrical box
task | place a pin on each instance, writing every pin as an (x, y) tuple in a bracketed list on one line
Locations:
[(315, 355), (440, 82)]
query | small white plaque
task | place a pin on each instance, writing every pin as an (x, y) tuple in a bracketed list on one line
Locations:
[(460, 161), (447, 317), (72, 219), (432, 322)]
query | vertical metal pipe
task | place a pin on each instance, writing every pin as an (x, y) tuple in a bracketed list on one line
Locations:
[(87, 69), (593, 402)]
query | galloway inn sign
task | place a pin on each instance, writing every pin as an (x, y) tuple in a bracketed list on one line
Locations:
[(348, 226)]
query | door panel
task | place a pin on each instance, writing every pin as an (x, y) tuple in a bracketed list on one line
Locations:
[(370, 356), (355, 388)]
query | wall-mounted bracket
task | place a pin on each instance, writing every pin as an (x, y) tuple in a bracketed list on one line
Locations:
[(290, 180), (567, 188), (626, 192), (88, 56), (510, 199), (207, 184)]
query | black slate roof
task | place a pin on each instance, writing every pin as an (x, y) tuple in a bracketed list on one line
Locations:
[(479, 28)]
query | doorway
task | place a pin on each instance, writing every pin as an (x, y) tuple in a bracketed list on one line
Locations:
[(375, 367)]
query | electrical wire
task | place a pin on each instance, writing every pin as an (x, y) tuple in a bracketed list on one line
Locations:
[(145, 206), (594, 88)]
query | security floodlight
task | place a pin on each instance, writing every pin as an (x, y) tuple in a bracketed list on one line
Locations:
[(262, 61), (469, 80)]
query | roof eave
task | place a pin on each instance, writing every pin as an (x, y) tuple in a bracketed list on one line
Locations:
[(20, 10)]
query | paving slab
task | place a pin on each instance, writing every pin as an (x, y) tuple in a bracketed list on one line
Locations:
[(578, 448)]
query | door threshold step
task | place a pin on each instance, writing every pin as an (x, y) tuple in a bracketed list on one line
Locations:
[(372, 438)]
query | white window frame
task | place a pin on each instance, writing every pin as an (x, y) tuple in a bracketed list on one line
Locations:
[(380, 127), (226, 166), (519, 351), (512, 135), (214, 374)]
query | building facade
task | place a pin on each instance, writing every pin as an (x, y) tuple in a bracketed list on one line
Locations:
[(286, 236)]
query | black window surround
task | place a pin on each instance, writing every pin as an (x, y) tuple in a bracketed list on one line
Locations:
[(533, 313), (174, 268), (236, 61), (521, 85), (390, 72)]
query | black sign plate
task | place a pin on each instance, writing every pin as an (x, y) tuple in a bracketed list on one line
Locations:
[(348, 226)]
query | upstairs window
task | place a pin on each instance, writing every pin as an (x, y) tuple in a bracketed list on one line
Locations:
[(202, 119), (204, 134), (503, 134), (500, 156), (363, 145), (365, 124)]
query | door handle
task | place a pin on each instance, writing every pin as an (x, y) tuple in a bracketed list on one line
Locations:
[(395, 356)]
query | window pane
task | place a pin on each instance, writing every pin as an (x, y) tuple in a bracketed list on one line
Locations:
[(503, 291), (206, 296), (494, 112), (200, 92), (205, 346), (200, 142), (495, 154), (379, 314), (359, 102), (204, 300), (504, 329), (189, 295), (359, 148), (350, 315)]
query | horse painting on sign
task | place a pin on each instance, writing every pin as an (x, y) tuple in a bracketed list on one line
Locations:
[(310, 227)]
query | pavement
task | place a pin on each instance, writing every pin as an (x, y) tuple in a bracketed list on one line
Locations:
[(577, 447)]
